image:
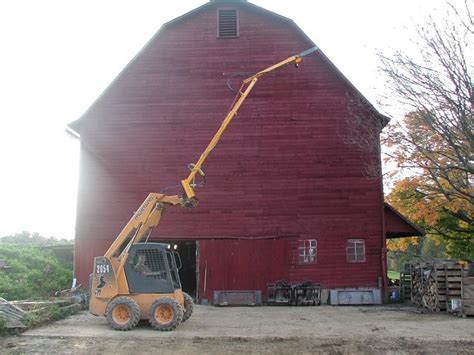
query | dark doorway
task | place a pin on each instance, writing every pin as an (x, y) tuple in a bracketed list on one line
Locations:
[(187, 273)]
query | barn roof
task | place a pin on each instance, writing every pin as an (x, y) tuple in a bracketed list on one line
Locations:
[(398, 226), (74, 127)]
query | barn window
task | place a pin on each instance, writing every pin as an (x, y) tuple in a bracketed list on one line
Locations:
[(355, 249), (227, 24), (307, 251)]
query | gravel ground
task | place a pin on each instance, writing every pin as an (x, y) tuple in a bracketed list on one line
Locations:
[(213, 330)]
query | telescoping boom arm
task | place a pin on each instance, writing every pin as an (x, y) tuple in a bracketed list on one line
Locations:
[(148, 216), (244, 91)]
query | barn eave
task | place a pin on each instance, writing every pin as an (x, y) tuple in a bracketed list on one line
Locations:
[(399, 226)]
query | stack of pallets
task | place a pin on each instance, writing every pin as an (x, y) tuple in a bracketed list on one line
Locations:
[(436, 285), (448, 282)]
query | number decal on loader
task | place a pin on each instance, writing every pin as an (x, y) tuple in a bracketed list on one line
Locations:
[(103, 277), (102, 269)]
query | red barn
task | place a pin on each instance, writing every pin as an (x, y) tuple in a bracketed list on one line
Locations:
[(285, 198)]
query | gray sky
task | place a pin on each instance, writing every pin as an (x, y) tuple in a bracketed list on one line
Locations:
[(58, 56)]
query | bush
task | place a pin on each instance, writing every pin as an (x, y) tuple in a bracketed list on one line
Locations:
[(34, 271), (32, 319)]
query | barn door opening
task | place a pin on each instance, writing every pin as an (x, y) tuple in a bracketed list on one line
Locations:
[(187, 273)]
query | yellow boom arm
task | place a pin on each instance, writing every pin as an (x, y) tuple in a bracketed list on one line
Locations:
[(149, 214), (244, 91)]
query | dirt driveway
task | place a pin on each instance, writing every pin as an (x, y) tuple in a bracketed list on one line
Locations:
[(322, 329)]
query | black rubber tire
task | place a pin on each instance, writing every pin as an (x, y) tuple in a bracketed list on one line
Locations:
[(133, 310), (188, 306), (173, 306)]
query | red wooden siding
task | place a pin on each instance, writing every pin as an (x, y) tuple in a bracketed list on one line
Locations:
[(332, 268), (251, 264), (240, 265), (397, 226), (282, 170)]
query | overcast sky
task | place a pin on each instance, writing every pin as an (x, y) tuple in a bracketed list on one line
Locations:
[(58, 56)]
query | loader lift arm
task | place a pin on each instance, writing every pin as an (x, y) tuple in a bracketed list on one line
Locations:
[(149, 214), (245, 89)]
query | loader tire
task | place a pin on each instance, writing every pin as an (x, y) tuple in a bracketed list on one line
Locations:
[(123, 313), (188, 306), (165, 314)]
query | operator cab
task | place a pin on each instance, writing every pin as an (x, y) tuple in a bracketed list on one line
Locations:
[(152, 268)]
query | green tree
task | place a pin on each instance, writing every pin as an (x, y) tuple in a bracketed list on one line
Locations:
[(31, 239)]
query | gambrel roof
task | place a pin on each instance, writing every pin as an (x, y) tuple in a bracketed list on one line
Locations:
[(75, 126)]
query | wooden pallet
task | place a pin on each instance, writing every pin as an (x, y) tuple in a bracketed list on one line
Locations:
[(405, 286), (448, 278), (11, 314), (467, 295)]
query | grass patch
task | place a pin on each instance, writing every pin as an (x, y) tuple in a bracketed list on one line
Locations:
[(31, 320), (49, 314), (395, 275)]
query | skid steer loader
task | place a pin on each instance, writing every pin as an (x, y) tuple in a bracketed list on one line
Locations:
[(138, 280)]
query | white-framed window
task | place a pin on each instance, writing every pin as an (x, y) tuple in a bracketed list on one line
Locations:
[(355, 249), (307, 251)]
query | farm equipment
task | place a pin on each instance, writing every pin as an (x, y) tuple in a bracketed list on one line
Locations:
[(138, 280), (298, 294)]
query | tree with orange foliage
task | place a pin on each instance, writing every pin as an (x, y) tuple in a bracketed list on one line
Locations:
[(407, 199), (434, 144)]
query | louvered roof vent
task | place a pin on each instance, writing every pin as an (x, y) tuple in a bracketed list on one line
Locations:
[(227, 24)]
